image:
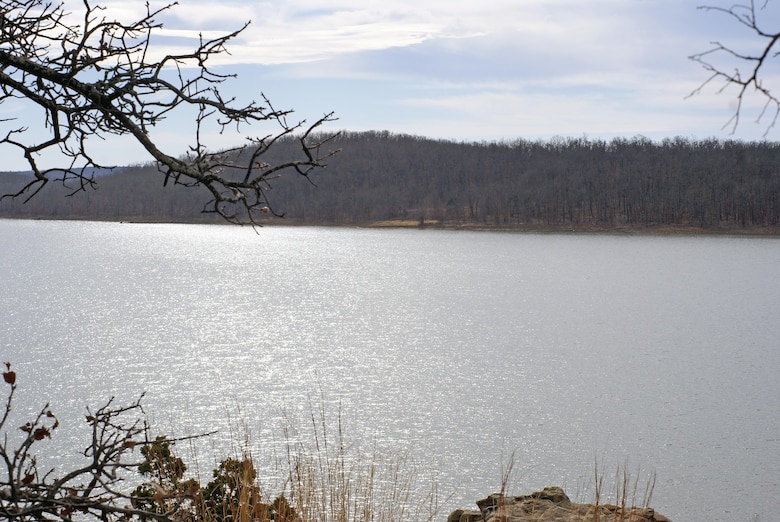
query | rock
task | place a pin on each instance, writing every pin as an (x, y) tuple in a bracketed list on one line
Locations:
[(460, 515), (455, 516), (550, 505)]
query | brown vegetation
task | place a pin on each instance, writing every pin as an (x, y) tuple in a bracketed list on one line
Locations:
[(128, 475)]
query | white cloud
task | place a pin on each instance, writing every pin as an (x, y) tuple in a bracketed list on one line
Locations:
[(469, 70), (299, 30)]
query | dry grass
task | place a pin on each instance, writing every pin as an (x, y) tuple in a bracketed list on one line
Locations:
[(322, 478), (331, 481), (624, 497)]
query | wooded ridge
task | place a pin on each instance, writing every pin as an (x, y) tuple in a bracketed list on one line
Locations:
[(386, 178)]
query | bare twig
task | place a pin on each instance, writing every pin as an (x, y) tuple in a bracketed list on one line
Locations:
[(94, 79), (92, 489), (748, 72)]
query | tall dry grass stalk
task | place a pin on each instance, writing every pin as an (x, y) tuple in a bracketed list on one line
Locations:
[(624, 492), (332, 481), (507, 470)]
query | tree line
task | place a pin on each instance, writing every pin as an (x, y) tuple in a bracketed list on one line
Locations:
[(381, 176)]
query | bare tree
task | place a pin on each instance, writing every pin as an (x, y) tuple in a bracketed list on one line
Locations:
[(93, 77), (750, 69)]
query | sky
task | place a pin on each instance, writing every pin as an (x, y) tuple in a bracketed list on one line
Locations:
[(469, 71)]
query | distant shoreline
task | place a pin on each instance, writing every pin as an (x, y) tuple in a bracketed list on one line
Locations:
[(584, 229)]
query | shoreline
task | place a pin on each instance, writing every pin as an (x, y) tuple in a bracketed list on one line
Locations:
[(768, 231), (527, 228)]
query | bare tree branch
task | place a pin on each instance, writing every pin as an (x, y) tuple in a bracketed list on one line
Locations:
[(94, 79), (94, 489), (748, 73)]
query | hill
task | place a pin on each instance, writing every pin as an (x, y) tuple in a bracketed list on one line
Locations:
[(381, 178)]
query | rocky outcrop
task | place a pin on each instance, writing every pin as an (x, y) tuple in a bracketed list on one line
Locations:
[(550, 505)]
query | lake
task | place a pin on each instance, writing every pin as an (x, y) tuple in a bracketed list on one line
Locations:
[(661, 353)]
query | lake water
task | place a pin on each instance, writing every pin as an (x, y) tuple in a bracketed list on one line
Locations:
[(662, 352)]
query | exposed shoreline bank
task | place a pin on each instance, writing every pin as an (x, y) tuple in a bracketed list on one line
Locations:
[(584, 228), (552, 505)]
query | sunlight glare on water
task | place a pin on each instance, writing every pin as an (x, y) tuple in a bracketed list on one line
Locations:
[(461, 346)]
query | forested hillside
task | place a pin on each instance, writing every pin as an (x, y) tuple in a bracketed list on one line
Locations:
[(379, 176)]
